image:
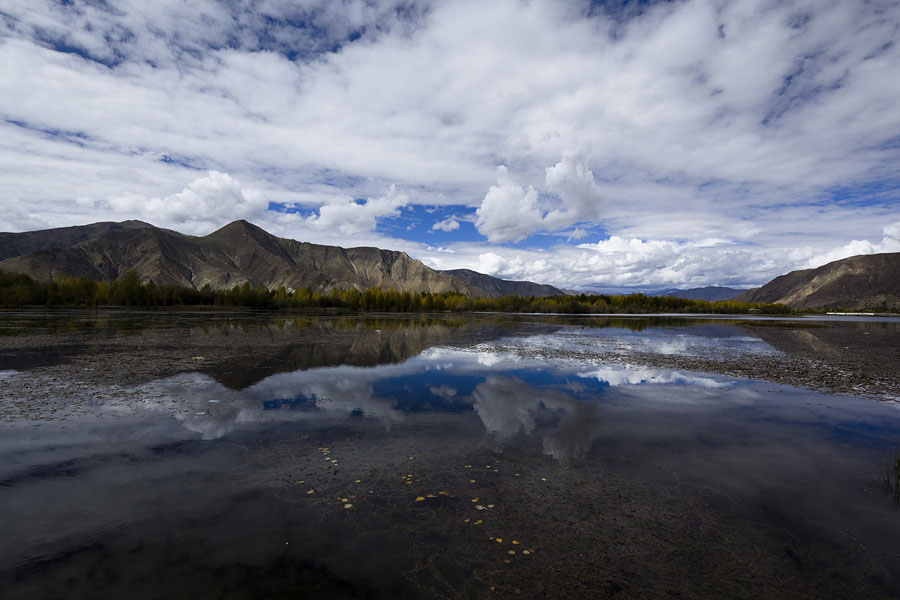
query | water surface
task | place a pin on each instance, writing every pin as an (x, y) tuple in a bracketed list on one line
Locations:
[(247, 455)]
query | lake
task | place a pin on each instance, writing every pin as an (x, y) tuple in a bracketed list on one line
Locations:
[(270, 455)]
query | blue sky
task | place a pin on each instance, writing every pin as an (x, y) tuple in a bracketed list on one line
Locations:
[(590, 145)]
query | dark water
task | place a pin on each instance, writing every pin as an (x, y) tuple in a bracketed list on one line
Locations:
[(455, 458)]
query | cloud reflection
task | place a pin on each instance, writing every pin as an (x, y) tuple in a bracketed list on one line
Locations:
[(617, 375), (505, 402)]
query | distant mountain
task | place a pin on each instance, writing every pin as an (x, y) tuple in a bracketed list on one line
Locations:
[(710, 293), (236, 254), (494, 286), (864, 281)]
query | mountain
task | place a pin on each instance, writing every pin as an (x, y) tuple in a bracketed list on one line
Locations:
[(238, 253), (17, 244), (494, 286), (711, 293), (864, 281)]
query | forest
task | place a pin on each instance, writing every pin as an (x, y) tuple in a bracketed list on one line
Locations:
[(18, 291)]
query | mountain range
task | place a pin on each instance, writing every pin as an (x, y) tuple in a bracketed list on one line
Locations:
[(857, 282), (710, 293), (238, 253), (241, 252)]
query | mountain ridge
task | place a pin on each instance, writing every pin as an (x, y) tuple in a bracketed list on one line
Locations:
[(237, 253), (856, 282), (505, 287)]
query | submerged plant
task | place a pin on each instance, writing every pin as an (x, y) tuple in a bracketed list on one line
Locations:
[(890, 480)]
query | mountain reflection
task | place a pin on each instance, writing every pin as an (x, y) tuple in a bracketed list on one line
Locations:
[(358, 342), (512, 397)]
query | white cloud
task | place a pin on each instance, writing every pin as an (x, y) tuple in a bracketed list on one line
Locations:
[(448, 224), (574, 182), (13, 219), (693, 120), (349, 217), (508, 213), (214, 200), (890, 242), (618, 375)]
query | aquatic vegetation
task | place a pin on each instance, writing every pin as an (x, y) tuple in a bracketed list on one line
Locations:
[(890, 479)]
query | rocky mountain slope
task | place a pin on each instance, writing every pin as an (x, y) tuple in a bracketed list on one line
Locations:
[(236, 254), (17, 244), (494, 286), (864, 281)]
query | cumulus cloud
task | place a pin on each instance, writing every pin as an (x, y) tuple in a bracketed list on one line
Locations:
[(350, 217), (619, 264), (510, 213), (448, 224), (573, 181), (890, 242), (214, 199)]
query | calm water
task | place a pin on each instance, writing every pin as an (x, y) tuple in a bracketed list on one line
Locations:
[(396, 457)]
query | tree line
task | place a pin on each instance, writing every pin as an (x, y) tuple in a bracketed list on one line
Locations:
[(17, 290)]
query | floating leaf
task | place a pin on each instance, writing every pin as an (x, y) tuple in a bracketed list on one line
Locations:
[(526, 551), (479, 507), (474, 499), (466, 520), (444, 493), (490, 506), (510, 552), (429, 495), (348, 506), (499, 540), (515, 542), (358, 481), (543, 479), (308, 492), (471, 481), (420, 498), (478, 522)]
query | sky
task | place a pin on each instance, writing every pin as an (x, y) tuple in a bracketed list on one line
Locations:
[(603, 146)]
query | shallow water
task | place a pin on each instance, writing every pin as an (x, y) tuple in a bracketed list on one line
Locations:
[(235, 455)]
